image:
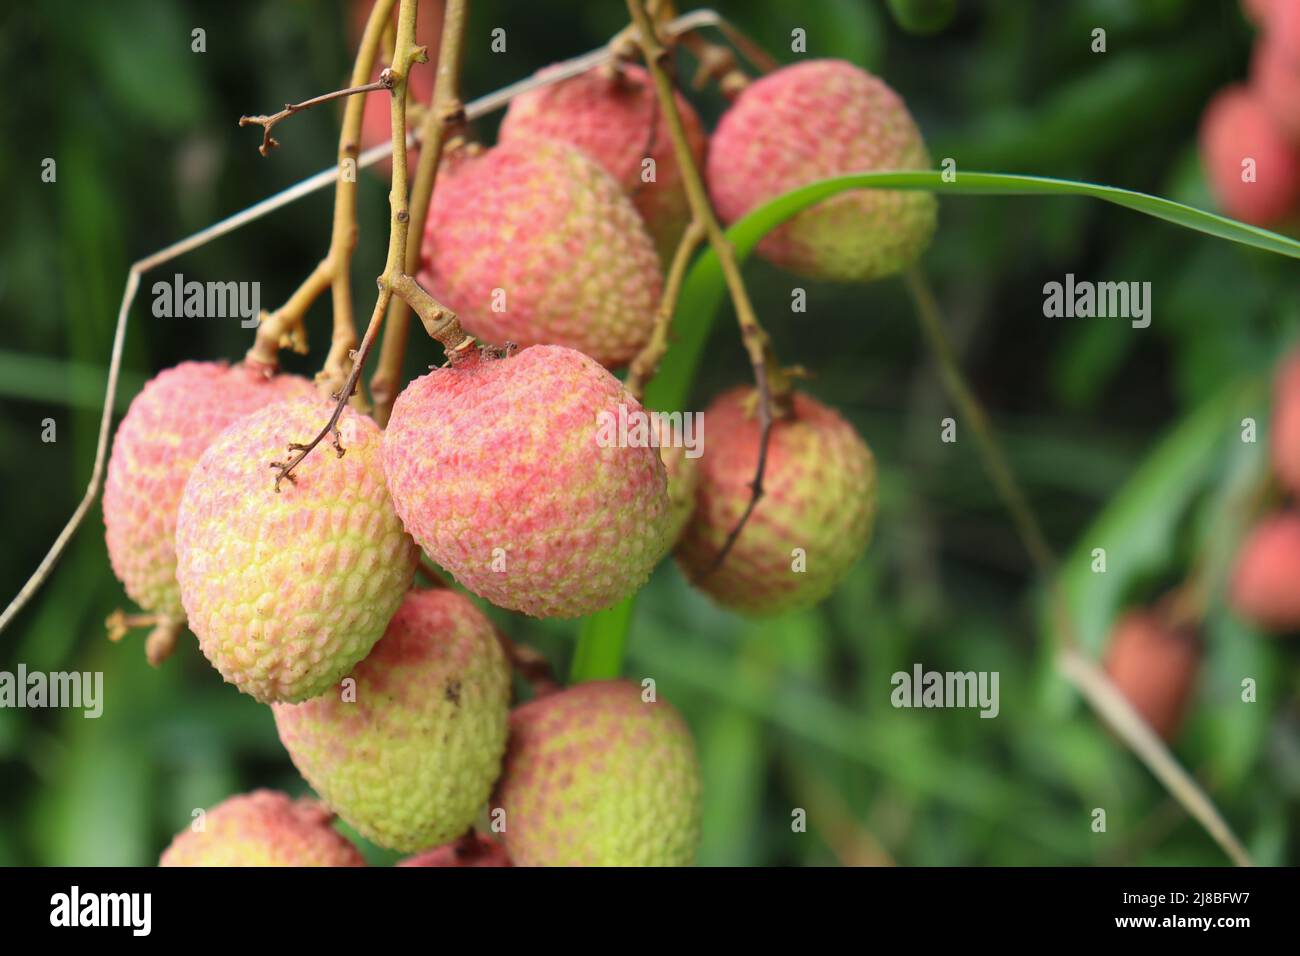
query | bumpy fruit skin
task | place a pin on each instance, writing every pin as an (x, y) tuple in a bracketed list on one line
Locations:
[(1284, 432), (683, 480), (263, 828), (166, 429), (409, 755), (287, 591), (615, 119), (819, 495), (1236, 126), (808, 122), (1264, 582), (595, 776), (532, 242), (480, 852), (1154, 665), (497, 469)]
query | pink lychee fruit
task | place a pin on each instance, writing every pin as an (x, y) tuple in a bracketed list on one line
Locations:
[(288, 590), (811, 121), (476, 850), (600, 775), (683, 475), (1275, 79), (506, 472), (1253, 171), (1284, 431), (407, 750), (262, 828), (1153, 663), (1281, 23), (613, 116), (813, 521), (1264, 581), (533, 242), (1257, 11), (168, 426)]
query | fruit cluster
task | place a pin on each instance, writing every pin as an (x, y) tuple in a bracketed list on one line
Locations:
[(395, 703), (1250, 132)]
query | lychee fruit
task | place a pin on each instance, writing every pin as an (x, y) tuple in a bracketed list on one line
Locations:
[(1253, 171), (533, 242), (1264, 581), (597, 776), (475, 850), (1153, 663), (1275, 79), (166, 429), (407, 751), (812, 522), (811, 121), (683, 479), (287, 591), (1284, 431), (262, 828), (613, 116), (502, 471)]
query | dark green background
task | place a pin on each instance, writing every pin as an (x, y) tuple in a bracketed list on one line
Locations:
[(791, 712)]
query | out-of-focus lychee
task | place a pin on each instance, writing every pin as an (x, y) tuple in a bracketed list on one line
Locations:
[(476, 850), (1154, 664), (1253, 170), (1264, 582)]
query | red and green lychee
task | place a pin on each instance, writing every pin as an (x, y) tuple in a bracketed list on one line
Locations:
[(288, 590), (262, 828), (600, 775), (407, 750), (808, 122), (474, 851), (498, 469), (813, 521)]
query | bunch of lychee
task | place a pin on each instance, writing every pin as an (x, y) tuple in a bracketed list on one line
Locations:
[(395, 703), (1250, 132)]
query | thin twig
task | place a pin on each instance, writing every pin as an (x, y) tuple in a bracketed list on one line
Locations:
[(1089, 679), (444, 117), (268, 122), (773, 386), (646, 363)]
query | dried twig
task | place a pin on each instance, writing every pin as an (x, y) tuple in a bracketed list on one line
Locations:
[(267, 123)]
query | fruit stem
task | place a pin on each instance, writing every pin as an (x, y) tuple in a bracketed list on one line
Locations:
[(647, 361), (284, 326), (773, 385), (445, 116), (1077, 668), (268, 123)]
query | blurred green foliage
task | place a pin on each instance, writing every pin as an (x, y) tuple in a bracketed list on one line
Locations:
[(1126, 438)]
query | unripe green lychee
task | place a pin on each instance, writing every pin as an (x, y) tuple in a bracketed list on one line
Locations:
[(811, 121), (533, 242), (613, 116), (262, 828), (1284, 430), (288, 590), (1252, 169), (1154, 664), (597, 776), (475, 851), (408, 749), (166, 429), (1264, 581), (813, 521), (499, 469)]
